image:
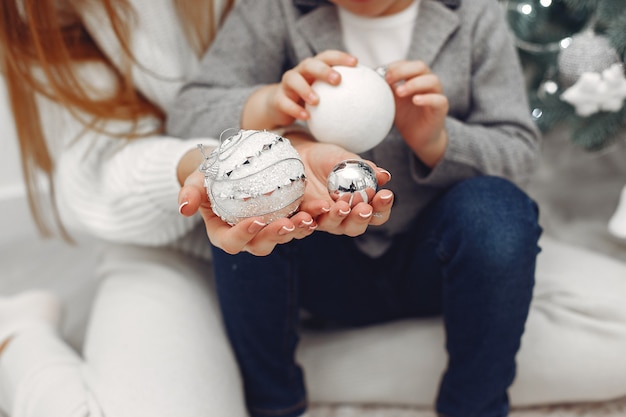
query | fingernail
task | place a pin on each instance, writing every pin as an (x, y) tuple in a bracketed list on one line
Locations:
[(325, 209), (284, 230), (344, 213), (386, 196), (384, 171), (306, 223), (182, 205), (313, 227), (256, 227), (366, 215)]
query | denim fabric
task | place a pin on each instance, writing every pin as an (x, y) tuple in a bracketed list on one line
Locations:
[(470, 257)]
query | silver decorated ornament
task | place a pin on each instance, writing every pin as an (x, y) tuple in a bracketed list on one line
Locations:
[(352, 181), (254, 173)]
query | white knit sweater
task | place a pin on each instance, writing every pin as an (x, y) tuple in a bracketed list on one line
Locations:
[(117, 189)]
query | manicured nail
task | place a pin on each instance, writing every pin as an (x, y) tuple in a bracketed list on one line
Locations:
[(366, 215), (306, 223), (285, 230), (256, 227), (386, 196), (325, 209), (344, 213), (313, 227), (384, 171), (182, 205)]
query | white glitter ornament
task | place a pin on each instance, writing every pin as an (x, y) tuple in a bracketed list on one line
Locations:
[(254, 173), (357, 114), (352, 181)]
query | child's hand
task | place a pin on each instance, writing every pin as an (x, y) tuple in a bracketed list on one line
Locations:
[(421, 109), (280, 104)]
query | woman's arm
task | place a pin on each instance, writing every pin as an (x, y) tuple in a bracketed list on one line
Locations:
[(123, 189)]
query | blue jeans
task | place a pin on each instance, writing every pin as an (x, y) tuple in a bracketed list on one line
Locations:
[(470, 257)]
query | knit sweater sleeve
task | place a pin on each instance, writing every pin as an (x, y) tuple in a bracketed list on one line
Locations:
[(123, 190), (163, 57), (108, 185), (496, 136)]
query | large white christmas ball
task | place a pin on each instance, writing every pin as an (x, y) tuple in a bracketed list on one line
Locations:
[(254, 173), (357, 114)]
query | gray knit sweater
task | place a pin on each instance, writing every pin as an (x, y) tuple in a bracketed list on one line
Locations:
[(469, 47)]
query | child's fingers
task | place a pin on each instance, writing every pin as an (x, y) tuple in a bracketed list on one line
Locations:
[(436, 102), (422, 84), (313, 69), (294, 81), (404, 70), (290, 108), (336, 57)]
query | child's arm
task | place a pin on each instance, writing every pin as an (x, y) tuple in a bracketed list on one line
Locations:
[(282, 103), (485, 127), (421, 109)]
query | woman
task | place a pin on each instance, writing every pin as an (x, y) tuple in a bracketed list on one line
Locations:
[(88, 82)]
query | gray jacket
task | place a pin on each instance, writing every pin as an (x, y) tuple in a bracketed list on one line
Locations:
[(469, 47)]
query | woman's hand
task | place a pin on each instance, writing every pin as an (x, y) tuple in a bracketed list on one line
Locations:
[(251, 234), (317, 211), (280, 104), (421, 109), (337, 217)]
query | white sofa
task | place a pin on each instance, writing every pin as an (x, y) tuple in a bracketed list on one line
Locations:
[(577, 192)]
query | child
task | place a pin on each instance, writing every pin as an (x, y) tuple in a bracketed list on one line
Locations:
[(462, 240)]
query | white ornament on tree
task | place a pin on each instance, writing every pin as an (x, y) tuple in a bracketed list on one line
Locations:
[(595, 92), (588, 51), (357, 114), (254, 173)]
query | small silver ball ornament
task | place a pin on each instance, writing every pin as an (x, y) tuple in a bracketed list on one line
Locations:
[(352, 181), (254, 173)]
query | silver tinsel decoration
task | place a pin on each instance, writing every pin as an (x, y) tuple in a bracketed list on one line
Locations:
[(254, 173)]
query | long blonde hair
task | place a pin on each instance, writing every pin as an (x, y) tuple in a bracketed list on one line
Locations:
[(33, 34)]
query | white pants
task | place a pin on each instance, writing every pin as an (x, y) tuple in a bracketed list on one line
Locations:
[(155, 347)]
